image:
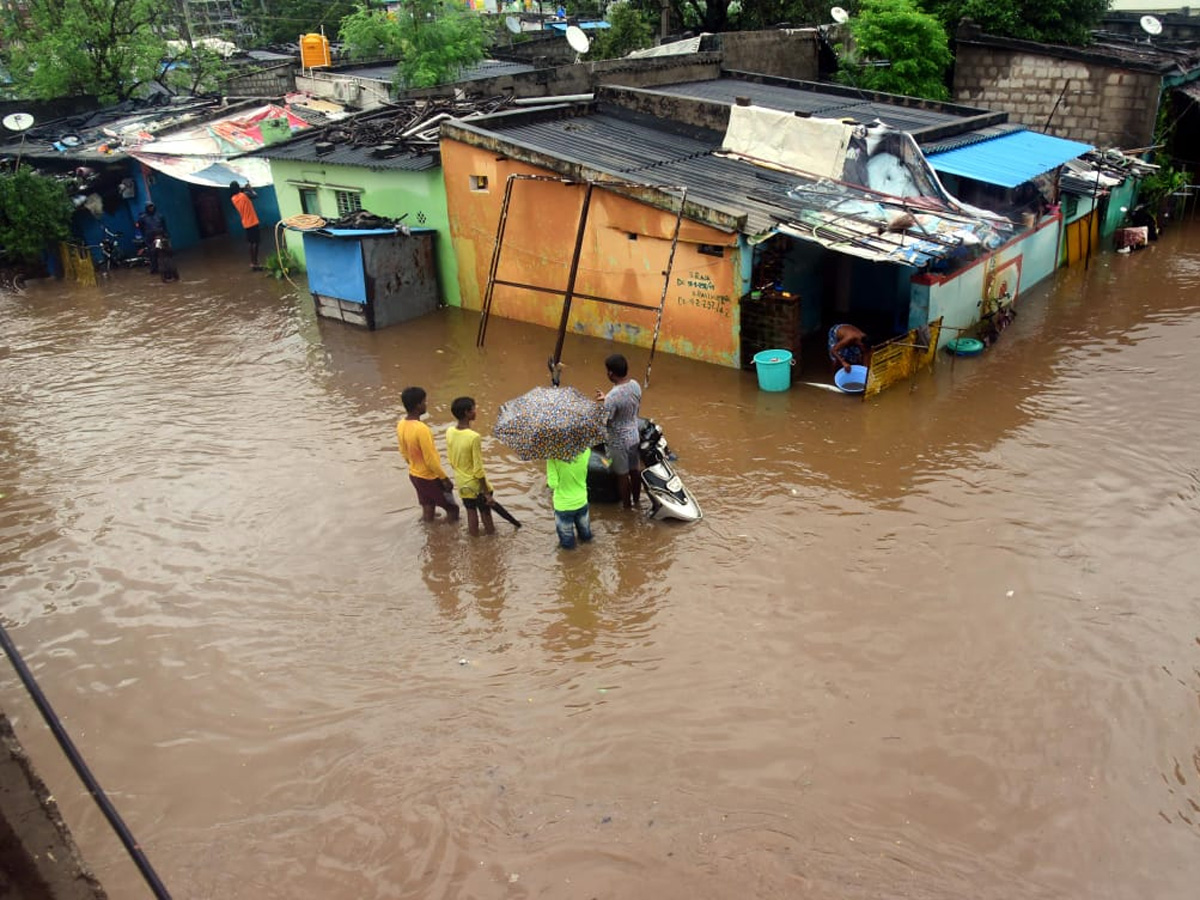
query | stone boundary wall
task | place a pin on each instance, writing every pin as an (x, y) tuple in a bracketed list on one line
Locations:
[(586, 78), (271, 81), (1079, 99), (790, 53)]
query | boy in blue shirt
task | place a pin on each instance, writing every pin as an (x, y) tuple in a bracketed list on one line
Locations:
[(568, 480)]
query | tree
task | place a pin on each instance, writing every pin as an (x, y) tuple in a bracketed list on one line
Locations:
[(434, 39), (630, 31), (194, 68), (281, 21), (370, 34), (34, 212), (897, 49), (757, 14), (63, 48), (1046, 21)]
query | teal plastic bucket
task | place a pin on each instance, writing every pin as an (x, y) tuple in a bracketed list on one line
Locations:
[(774, 370)]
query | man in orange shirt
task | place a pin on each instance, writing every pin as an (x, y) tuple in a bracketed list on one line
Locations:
[(425, 470), (243, 202)]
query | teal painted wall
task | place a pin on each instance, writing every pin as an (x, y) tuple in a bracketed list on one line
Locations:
[(388, 193)]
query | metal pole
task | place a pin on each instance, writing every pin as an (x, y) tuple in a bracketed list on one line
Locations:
[(566, 310), (486, 310), (89, 780), (666, 285)]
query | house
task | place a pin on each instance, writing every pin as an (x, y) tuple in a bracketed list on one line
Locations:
[(1109, 93), (386, 162), (803, 206), (180, 154)]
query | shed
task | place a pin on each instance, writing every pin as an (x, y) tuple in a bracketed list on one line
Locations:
[(372, 277)]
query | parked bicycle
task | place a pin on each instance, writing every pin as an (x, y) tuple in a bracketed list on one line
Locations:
[(112, 256)]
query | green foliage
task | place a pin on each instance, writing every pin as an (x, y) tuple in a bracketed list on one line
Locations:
[(759, 14), (913, 45), (201, 70), (439, 38), (434, 39), (1046, 21), (630, 31), (34, 212), (1167, 180), (283, 21), (61, 48), (279, 265), (371, 34)]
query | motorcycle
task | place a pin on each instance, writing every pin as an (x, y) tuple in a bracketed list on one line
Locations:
[(669, 498), (112, 256)]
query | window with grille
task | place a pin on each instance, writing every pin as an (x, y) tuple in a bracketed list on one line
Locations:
[(348, 202)]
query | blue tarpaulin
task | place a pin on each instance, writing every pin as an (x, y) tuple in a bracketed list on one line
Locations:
[(1009, 159)]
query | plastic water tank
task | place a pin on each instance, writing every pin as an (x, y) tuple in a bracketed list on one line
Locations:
[(314, 51)]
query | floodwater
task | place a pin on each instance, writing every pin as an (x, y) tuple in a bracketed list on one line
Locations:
[(943, 643)]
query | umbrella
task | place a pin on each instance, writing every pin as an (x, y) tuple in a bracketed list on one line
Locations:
[(550, 423)]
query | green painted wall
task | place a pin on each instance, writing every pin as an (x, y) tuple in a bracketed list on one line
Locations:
[(388, 193)]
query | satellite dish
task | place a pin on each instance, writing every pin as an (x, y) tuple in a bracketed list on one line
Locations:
[(513, 24), (1151, 25), (577, 39), (18, 121), (839, 15)]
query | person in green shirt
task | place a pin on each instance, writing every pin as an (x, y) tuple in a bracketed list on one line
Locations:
[(568, 481)]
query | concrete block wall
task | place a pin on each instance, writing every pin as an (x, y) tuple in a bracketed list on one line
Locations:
[(1076, 99), (585, 78), (790, 53)]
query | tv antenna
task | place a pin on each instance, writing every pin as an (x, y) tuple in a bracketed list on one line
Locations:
[(1151, 26), (839, 15), (578, 40), (513, 24), (19, 122)]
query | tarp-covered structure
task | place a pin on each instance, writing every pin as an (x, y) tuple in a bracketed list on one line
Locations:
[(867, 191), (211, 153)]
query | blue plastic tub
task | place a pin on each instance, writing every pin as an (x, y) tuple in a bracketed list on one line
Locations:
[(852, 382), (774, 369)]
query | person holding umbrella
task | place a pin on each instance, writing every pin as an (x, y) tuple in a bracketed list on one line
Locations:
[(559, 425), (464, 450)]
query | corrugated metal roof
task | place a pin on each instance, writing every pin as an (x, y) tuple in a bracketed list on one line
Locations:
[(650, 151), (305, 150), (1010, 159), (809, 99)]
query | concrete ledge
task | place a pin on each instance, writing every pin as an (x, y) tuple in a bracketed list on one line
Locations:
[(38, 857)]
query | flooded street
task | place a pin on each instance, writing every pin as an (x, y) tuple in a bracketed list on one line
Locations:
[(941, 644)]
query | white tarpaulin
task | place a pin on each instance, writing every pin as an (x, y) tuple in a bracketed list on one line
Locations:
[(772, 137)]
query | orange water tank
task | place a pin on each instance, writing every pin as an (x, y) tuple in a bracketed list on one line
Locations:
[(314, 50)]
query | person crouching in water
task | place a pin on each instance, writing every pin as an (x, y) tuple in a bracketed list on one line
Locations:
[(424, 466)]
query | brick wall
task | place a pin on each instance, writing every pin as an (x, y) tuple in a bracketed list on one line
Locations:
[(1072, 98)]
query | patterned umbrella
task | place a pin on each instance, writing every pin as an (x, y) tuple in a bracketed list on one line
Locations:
[(550, 423)]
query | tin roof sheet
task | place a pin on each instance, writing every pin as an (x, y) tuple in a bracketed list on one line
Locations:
[(1009, 159), (651, 151)]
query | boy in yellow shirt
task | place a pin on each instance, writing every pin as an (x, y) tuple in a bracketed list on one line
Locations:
[(464, 450), (425, 470)]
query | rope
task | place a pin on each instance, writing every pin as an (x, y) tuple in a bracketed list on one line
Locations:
[(301, 222), (304, 222)]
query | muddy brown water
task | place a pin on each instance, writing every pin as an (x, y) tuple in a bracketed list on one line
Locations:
[(938, 644)]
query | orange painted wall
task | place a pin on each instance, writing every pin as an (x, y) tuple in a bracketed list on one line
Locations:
[(625, 251)]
